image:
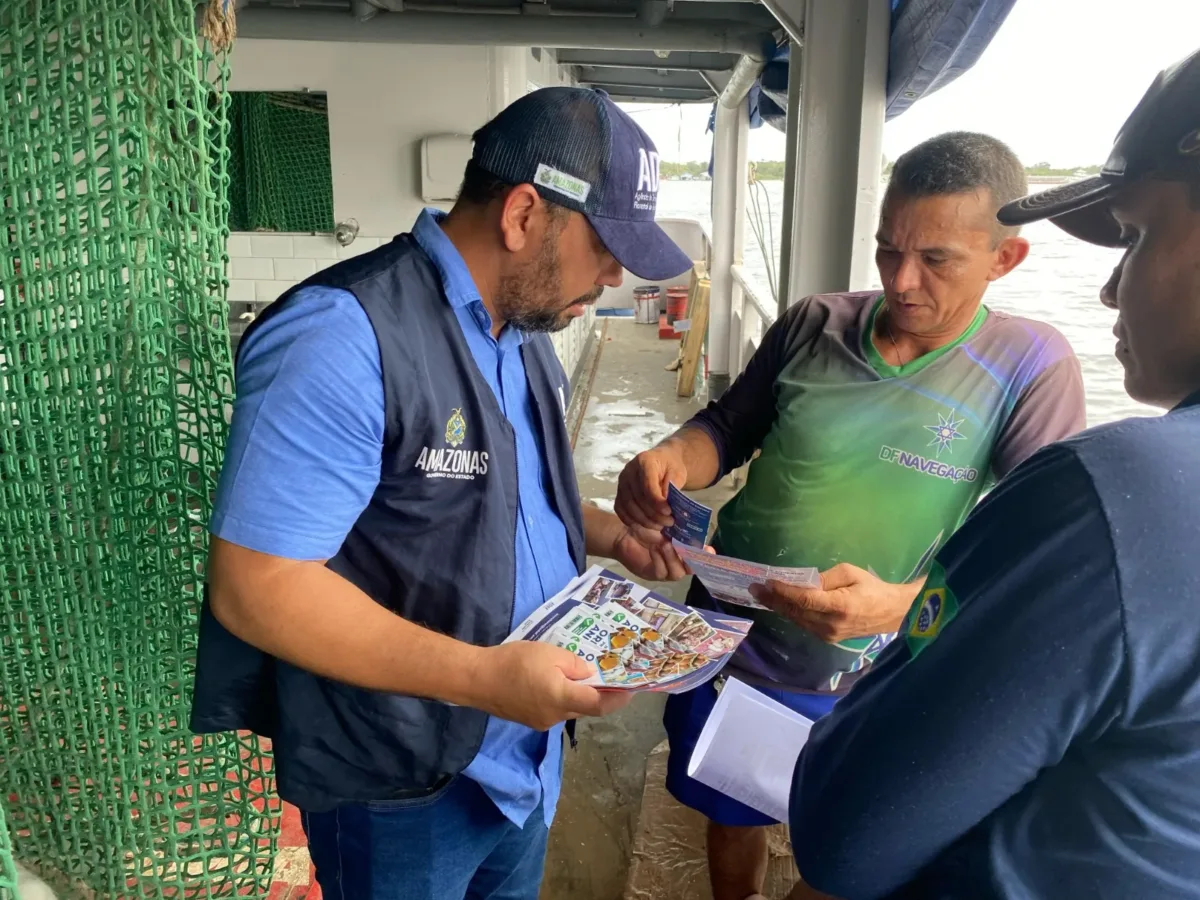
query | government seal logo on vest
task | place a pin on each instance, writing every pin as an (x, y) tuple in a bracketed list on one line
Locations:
[(456, 429)]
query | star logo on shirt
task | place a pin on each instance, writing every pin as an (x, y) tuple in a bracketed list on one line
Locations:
[(945, 433)]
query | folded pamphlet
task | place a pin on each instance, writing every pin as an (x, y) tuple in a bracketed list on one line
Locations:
[(691, 519), (634, 639), (729, 579)]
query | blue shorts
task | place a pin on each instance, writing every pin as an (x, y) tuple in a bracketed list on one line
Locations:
[(684, 719), (450, 845)]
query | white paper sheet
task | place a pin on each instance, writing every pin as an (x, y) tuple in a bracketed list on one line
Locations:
[(749, 747)]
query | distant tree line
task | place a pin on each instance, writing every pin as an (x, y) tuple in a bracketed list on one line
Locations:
[(772, 170), (1044, 168), (676, 170)]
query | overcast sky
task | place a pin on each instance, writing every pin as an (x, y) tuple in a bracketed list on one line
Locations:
[(1056, 83)]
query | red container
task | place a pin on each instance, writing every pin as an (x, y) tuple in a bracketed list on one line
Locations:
[(666, 331), (677, 297)]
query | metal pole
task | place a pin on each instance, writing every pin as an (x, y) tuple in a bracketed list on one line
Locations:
[(843, 70), (790, 180), (567, 32), (741, 79), (873, 108), (730, 141)]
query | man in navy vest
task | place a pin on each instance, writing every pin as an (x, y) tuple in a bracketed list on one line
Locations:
[(398, 493)]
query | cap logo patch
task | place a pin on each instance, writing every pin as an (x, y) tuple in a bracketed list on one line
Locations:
[(1189, 144), (567, 185), (646, 196)]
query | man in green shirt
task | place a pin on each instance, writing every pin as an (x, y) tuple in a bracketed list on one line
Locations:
[(879, 420)]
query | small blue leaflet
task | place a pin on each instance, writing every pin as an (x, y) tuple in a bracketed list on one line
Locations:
[(691, 518)]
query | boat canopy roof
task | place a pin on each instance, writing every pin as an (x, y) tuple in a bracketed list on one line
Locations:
[(669, 51)]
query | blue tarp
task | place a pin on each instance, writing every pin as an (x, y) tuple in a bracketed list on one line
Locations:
[(933, 42)]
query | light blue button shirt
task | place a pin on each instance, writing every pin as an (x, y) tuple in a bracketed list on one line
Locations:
[(310, 410)]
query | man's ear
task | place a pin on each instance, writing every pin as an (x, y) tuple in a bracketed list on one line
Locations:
[(518, 218), (1010, 254)]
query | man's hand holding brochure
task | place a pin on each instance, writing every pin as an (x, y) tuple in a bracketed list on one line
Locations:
[(634, 639), (726, 578)]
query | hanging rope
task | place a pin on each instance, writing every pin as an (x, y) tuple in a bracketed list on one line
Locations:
[(763, 227), (220, 24)]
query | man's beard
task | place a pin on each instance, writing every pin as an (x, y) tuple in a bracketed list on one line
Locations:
[(528, 299), (551, 320)]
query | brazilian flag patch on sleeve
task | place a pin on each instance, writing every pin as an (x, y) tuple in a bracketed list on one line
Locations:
[(933, 609)]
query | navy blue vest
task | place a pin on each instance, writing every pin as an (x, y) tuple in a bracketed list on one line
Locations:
[(435, 545)]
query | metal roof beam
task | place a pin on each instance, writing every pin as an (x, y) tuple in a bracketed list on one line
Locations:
[(677, 61), (652, 94), (790, 14), (635, 77), (718, 81), (569, 32)]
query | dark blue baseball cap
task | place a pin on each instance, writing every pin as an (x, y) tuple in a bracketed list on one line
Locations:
[(579, 150), (1159, 140)]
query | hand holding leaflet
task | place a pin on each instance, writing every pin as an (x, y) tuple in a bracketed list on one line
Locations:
[(729, 579), (634, 639), (691, 519)]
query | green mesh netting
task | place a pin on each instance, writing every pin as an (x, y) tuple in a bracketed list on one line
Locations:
[(8, 874), (115, 381), (279, 173)]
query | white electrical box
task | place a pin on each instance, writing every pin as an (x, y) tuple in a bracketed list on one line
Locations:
[(444, 158)]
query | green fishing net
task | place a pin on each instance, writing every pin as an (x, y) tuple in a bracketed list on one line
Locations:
[(8, 874), (279, 172), (115, 383)]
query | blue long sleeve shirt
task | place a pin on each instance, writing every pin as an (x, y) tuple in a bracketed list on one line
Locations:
[(1035, 731)]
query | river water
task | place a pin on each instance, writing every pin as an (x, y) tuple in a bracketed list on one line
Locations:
[(1059, 283)]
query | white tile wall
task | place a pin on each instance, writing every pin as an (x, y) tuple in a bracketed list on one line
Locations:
[(271, 244), (263, 266), (239, 245), (241, 291), (250, 268), (294, 269), (269, 291), (571, 344), (314, 246)]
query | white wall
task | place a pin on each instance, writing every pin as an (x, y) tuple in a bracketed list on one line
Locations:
[(383, 99)]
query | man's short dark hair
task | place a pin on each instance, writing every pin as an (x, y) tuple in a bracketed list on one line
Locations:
[(961, 162), (480, 187)]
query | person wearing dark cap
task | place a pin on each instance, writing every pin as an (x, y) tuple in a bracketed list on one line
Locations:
[(1036, 731), (357, 621)]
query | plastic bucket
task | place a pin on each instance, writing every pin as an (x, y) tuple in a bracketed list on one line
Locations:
[(677, 299), (645, 301)]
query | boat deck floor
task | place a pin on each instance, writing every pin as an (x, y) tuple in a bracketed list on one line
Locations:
[(618, 835)]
